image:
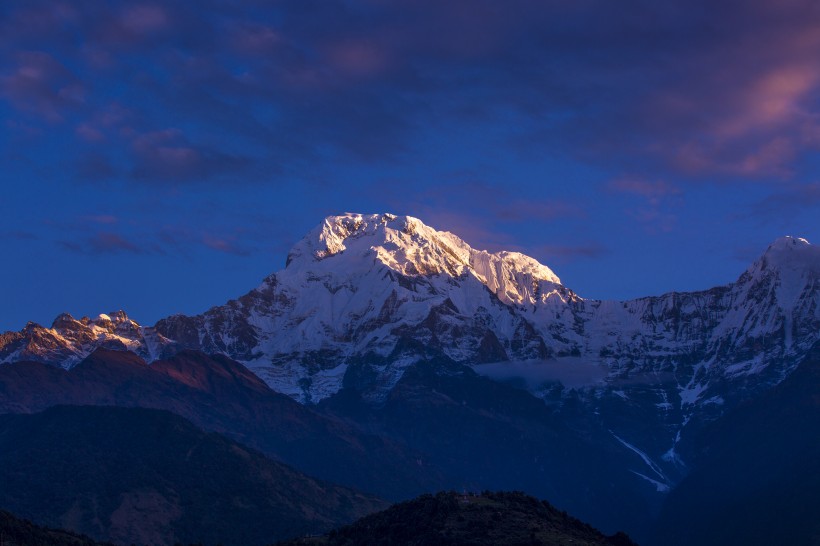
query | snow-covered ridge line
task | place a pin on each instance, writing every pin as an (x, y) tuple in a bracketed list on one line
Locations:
[(409, 247), (364, 296), (70, 340)]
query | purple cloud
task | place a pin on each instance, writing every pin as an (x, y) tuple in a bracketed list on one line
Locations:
[(227, 245), (105, 242), (656, 85), (657, 201), (787, 201), (569, 253), (168, 156), (94, 167), (94, 236), (42, 86)]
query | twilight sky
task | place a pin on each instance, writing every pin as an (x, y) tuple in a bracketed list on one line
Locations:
[(162, 157)]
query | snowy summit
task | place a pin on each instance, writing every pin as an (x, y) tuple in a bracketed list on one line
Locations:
[(407, 246)]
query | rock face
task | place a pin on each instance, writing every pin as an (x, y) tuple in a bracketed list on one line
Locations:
[(69, 340), (363, 297)]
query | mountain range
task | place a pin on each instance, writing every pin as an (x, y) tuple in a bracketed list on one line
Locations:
[(455, 367)]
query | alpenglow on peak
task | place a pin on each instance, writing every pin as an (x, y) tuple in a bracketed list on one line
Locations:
[(409, 247)]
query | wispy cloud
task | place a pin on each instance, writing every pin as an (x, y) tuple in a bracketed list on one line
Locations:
[(787, 201), (657, 201), (167, 155), (19, 235), (106, 242), (42, 86), (568, 253), (665, 84)]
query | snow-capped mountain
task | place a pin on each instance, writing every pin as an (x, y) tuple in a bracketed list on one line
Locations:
[(70, 340), (362, 297)]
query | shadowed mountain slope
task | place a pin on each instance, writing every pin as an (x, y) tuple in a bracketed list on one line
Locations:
[(132, 475), (757, 474), (220, 395)]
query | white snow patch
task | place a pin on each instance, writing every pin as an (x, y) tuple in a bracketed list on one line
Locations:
[(646, 459), (660, 487), (691, 393)]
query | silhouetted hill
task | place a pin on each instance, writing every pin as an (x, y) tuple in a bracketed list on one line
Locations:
[(220, 395), (15, 531), (451, 519), (132, 475)]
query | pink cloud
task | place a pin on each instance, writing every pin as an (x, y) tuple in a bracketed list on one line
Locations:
[(773, 99), (357, 58), (752, 160), (255, 39), (112, 243), (40, 21), (750, 110), (101, 219), (144, 19), (89, 133), (654, 219), (98, 58), (226, 245), (657, 200), (42, 86), (652, 191), (167, 155)]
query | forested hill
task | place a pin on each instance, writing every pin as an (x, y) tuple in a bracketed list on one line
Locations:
[(452, 519)]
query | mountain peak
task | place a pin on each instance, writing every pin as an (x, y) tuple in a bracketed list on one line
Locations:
[(791, 252), (330, 237), (789, 243), (408, 246)]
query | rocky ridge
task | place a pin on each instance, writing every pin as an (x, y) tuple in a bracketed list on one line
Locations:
[(363, 297)]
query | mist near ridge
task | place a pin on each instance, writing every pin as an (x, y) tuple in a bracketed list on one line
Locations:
[(572, 372)]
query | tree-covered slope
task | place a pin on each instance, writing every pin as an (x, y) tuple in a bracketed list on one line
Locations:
[(451, 519)]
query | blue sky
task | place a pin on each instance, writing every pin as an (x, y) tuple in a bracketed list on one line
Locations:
[(162, 157)]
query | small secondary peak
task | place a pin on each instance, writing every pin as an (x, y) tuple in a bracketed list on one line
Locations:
[(789, 242), (793, 260), (114, 316), (792, 250)]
